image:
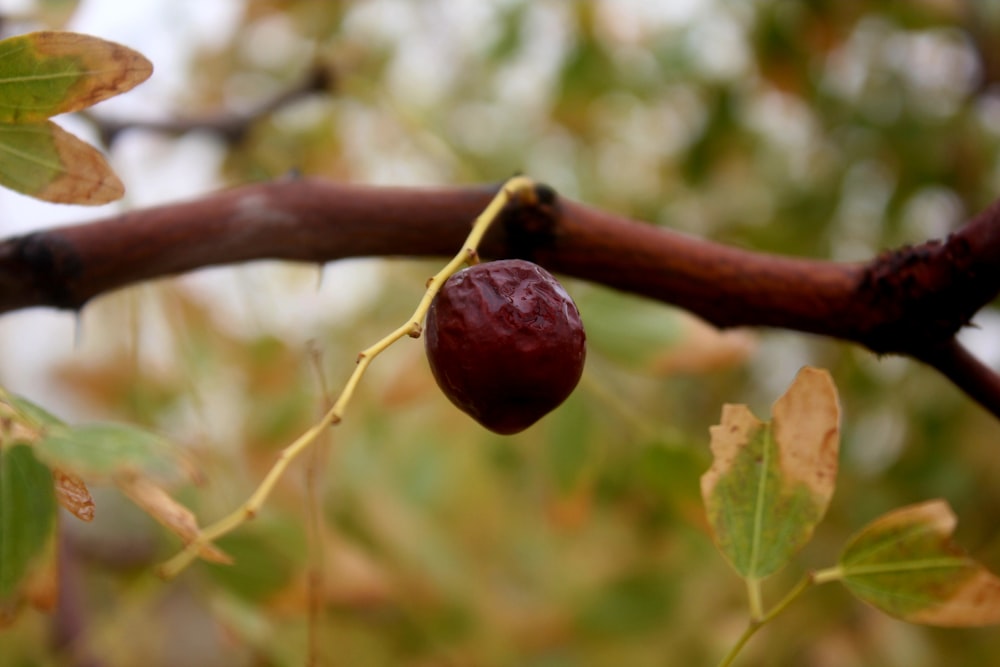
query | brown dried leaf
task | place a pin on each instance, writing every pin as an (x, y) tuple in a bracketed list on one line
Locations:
[(171, 514), (704, 349), (73, 495)]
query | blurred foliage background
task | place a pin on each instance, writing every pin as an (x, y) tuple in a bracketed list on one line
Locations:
[(824, 129)]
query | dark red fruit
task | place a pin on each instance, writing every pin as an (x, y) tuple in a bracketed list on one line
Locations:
[(505, 343)]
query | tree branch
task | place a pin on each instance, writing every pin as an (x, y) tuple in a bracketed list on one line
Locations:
[(232, 127), (975, 378), (910, 301)]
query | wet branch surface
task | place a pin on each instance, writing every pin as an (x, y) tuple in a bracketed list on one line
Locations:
[(909, 301)]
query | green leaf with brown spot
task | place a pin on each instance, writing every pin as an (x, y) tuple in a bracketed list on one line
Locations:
[(906, 564), (770, 483), (44, 161), (43, 74), (46, 73), (19, 409)]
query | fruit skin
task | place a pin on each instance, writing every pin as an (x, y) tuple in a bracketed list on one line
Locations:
[(505, 343)]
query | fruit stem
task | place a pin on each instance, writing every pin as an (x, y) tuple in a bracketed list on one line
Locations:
[(519, 188)]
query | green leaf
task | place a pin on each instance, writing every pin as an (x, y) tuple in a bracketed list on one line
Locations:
[(27, 514), (906, 564), (103, 450), (43, 74), (265, 560), (633, 604), (47, 73), (33, 412), (22, 422), (770, 483), (632, 331), (44, 161)]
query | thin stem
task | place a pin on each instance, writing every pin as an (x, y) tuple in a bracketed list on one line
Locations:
[(828, 575), (316, 569), (519, 187), (755, 598), (758, 621), (801, 587), (748, 632)]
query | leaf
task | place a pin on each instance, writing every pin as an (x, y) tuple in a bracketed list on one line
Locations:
[(104, 450), (21, 421), (44, 161), (43, 74), (633, 604), (27, 514), (702, 348), (38, 416), (631, 331), (634, 332), (906, 564), (770, 484), (73, 495), (267, 559), (168, 512), (40, 588)]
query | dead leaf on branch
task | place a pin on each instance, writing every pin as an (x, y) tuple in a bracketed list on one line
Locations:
[(176, 518), (73, 495)]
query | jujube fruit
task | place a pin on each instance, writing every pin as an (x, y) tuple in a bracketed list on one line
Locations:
[(505, 343)]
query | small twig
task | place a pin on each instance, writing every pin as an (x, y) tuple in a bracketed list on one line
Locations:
[(516, 189), (757, 622), (315, 572), (980, 382), (232, 127)]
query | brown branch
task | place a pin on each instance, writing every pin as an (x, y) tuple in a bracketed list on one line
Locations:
[(909, 301), (975, 378)]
